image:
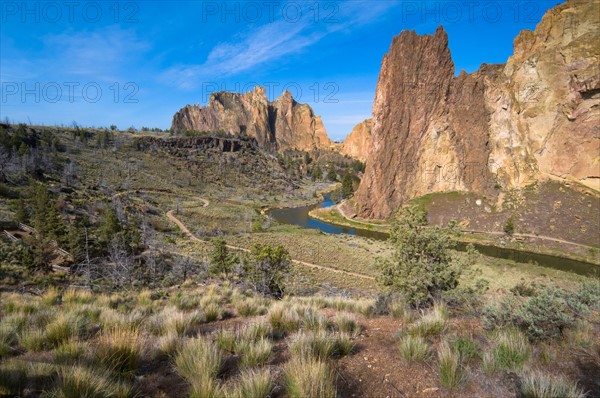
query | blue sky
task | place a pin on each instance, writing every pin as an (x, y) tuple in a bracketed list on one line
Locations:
[(135, 63)]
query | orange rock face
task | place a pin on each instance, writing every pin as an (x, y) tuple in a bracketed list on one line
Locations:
[(533, 118), (358, 142), (278, 125)]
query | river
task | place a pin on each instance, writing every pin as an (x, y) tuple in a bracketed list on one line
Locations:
[(299, 216)]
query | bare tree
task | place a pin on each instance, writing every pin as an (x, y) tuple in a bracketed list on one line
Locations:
[(121, 263)]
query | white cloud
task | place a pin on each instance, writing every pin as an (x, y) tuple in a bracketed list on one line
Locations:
[(271, 42)]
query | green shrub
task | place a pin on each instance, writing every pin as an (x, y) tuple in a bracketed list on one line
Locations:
[(423, 265), (547, 314)]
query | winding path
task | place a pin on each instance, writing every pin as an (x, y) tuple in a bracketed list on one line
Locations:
[(171, 216), (496, 233)]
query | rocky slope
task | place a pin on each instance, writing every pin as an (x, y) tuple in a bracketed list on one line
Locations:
[(504, 126), (358, 141), (278, 125)]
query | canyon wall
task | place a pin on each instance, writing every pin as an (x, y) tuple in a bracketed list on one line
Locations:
[(503, 127)]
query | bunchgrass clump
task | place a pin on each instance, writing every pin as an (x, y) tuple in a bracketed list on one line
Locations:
[(226, 340), (64, 327), (283, 319), (309, 378), (538, 385), (319, 345), (212, 312), (185, 302), (399, 309), (77, 296), (250, 307), (79, 381), (253, 331), (167, 345), (182, 323), (312, 319), (120, 350), (347, 323), (13, 377), (70, 352), (413, 348), (254, 353), (432, 323), (511, 350), (256, 383), (199, 361), (452, 372), (8, 338), (51, 297), (343, 344), (33, 339), (466, 347)]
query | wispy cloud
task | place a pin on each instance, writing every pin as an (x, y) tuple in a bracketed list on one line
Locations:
[(271, 42)]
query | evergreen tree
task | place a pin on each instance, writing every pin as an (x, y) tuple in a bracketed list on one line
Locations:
[(46, 218), (347, 186), (109, 225), (21, 213), (266, 268), (331, 174), (221, 261), (316, 173), (422, 266)]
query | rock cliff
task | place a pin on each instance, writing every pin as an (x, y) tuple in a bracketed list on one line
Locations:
[(278, 125), (357, 143), (505, 126)]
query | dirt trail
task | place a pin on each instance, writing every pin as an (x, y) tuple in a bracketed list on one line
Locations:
[(193, 237), (542, 237), (340, 210)]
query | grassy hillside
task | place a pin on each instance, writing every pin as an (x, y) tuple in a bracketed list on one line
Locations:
[(137, 309)]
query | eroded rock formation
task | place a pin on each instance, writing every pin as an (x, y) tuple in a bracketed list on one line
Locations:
[(535, 117), (278, 125), (357, 143)]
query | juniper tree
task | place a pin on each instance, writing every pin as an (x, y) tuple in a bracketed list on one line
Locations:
[(423, 265)]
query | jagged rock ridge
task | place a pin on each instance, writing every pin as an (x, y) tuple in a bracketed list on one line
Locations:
[(278, 125), (534, 118)]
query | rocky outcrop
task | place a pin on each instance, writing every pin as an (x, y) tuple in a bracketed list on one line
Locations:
[(357, 143), (534, 118), (278, 125)]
